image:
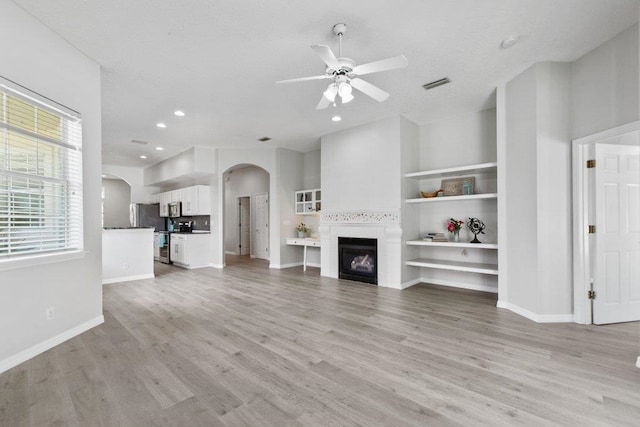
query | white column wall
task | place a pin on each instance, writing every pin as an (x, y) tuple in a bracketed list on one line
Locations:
[(72, 287)]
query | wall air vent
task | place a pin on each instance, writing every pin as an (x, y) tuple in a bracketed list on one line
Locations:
[(264, 139), (137, 141), (436, 83)]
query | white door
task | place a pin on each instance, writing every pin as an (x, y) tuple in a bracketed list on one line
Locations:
[(244, 226), (617, 234), (261, 247)]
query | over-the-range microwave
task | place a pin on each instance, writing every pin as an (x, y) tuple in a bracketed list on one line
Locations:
[(175, 209)]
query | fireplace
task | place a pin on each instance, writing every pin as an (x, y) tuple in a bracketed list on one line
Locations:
[(358, 259)]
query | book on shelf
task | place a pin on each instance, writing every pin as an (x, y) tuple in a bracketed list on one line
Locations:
[(435, 237)]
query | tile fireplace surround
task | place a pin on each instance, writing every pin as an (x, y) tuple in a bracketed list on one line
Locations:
[(381, 225)]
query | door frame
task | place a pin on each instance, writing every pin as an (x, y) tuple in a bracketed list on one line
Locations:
[(268, 240), (238, 233), (581, 252)]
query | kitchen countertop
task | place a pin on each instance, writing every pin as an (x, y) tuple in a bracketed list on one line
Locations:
[(192, 232), (126, 228)]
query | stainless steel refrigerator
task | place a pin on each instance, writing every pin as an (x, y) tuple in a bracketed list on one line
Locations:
[(147, 215)]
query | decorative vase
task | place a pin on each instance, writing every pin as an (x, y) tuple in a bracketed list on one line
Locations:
[(456, 236), (301, 234)]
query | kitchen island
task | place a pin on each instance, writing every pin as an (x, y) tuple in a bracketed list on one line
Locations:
[(127, 254)]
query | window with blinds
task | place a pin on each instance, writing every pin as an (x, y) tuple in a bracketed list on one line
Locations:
[(40, 175)]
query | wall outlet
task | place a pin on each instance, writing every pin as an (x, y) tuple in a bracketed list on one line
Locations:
[(50, 312), (125, 265)]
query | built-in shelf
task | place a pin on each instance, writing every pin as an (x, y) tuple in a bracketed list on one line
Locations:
[(471, 169), (453, 198), (453, 244), (469, 267)]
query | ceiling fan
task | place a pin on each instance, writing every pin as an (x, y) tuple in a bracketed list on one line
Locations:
[(344, 73)]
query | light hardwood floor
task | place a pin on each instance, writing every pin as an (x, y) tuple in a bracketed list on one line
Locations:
[(251, 346)]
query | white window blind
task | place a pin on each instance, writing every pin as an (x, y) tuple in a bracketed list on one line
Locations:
[(40, 175)]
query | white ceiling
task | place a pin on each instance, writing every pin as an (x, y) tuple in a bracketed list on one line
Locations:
[(218, 61)]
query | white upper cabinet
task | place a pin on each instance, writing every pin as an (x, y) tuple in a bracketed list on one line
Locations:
[(308, 201), (196, 200)]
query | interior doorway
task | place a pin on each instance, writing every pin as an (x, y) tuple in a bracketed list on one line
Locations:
[(245, 215), (244, 225), (607, 226), (262, 226)]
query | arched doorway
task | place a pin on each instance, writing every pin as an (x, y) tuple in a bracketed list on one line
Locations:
[(116, 199), (246, 189)]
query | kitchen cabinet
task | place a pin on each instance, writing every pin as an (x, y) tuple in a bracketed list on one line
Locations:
[(308, 201), (190, 250), (164, 199), (176, 195), (196, 200)]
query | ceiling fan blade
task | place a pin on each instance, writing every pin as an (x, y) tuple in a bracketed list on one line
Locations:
[(369, 89), (324, 103), (304, 79), (382, 65), (326, 55)]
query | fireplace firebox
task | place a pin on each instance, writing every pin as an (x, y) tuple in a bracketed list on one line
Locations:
[(358, 259)]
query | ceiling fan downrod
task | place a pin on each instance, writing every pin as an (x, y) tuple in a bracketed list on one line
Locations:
[(339, 30)]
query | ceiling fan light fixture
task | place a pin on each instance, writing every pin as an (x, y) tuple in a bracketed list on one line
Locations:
[(347, 97), (331, 92), (344, 90)]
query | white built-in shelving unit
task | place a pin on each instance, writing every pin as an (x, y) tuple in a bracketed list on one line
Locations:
[(443, 264)]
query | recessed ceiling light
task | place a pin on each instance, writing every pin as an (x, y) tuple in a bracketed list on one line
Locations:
[(509, 41), (143, 157), (179, 113), (159, 148), (336, 118), (161, 125)]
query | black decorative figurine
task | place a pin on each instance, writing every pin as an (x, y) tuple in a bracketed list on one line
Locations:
[(477, 227)]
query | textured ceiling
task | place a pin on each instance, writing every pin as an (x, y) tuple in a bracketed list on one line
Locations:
[(218, 61)]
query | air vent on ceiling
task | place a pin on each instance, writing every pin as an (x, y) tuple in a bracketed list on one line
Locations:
[(436, 83), (137, 141), (264, 139)]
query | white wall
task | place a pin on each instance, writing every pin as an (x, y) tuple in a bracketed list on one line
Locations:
[(135, 178), (289, 179), (605, 86), (117, 198), (72, 287), (352, 176), (461, 140), (247, 181), (538, 194), (311, 169), (196, 162)]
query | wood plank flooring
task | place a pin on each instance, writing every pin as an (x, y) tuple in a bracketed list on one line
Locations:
[(249, 346)]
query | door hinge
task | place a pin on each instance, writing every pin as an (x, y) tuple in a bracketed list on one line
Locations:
[(591, 294), (592, 229), (591, 164)]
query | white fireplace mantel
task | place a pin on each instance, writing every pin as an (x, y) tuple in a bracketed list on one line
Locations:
[(381, 225)]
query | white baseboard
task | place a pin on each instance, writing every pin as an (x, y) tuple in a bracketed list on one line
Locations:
[(461, 285), (410, 283), (538, 318), (128, 278), (230, 253), (293, 264), (281, 266), (218, 266), (37, 349)]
